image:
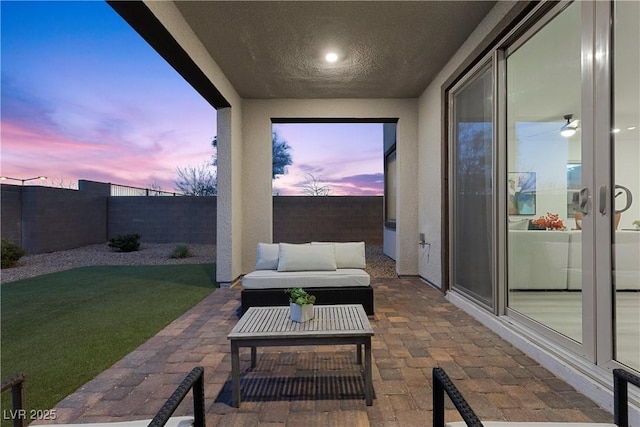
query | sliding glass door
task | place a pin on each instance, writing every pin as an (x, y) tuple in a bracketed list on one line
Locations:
[(473, 212), (544, 145), (545, 182), (625, 173), (573, 150)]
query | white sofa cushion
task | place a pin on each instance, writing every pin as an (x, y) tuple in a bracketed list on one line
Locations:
[(270, 279), (626, 267), (538, 260), (267, 256), (348, 254), (627, 260), (304, 257), (522, 224)]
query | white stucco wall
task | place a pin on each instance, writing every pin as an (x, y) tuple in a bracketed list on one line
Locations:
[(257, 219), (229, 132), (430, 151)]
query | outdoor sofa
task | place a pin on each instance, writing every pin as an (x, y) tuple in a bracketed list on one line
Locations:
[(334, 272)]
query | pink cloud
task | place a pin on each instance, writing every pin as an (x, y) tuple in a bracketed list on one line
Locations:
[(31, 152)]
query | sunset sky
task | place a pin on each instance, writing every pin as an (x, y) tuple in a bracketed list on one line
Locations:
[(346, 157), (85, 97)]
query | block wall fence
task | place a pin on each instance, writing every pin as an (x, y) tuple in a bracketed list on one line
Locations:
[(303, 219), (46, 219)]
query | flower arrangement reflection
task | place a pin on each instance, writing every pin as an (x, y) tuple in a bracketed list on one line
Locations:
[(549, 222)]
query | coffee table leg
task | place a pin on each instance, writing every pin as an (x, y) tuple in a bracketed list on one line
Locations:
[(368, 392), (235, 374), (253, 357), (359, 354)]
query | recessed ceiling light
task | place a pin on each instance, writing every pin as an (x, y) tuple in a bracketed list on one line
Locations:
[(615, 130), (631, 128), (331, 57)]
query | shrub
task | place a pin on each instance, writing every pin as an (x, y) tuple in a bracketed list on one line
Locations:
[(125, 243), (11, 253), (300, 296), (181, 251)]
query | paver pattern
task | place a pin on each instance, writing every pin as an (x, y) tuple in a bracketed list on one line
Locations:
[(415, 330)]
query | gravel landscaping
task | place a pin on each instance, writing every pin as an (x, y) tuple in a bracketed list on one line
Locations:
[(378, 264)]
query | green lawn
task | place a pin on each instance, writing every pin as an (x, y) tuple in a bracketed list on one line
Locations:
[(62, 329)]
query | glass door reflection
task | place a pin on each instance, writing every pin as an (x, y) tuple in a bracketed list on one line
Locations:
[(625, 139), (544, 146)]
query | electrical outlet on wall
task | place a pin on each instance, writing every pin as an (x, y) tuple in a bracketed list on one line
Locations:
[(424, 244)]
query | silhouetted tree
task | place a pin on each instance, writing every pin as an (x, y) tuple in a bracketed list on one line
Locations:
[(154, 189), (202, 182), (60, 182), (315, 187), (196, 181), (281, 158), (214, 144)]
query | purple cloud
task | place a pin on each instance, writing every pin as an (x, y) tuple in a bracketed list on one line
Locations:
[(361, 185), (24, 108), (374, 180), (313, 170), (356, 185)]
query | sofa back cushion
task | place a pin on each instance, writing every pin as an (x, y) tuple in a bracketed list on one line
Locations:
[(304, 257), (267, 256), (348, 254)]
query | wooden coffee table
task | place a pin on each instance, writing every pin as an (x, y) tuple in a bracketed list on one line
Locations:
[(332, 325)]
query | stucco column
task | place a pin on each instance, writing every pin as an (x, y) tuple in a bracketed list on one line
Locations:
[(229, 209)]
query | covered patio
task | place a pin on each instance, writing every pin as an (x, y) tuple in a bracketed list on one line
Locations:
[(436, 71), (415, 330)]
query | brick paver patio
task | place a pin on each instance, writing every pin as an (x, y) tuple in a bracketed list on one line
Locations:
[(416, 329)]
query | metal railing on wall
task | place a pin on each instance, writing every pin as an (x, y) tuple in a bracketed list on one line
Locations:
[(125, 190)]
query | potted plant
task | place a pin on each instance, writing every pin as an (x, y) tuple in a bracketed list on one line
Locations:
[(300, 304), (637, 224)]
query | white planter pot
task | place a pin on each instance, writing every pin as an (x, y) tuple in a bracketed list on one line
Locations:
[(300, 313)]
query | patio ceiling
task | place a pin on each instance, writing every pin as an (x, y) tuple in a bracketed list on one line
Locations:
[(273, 49)]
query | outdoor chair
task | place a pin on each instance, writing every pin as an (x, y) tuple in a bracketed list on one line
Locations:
[(194, 380), (442, 384), (16, 385)]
